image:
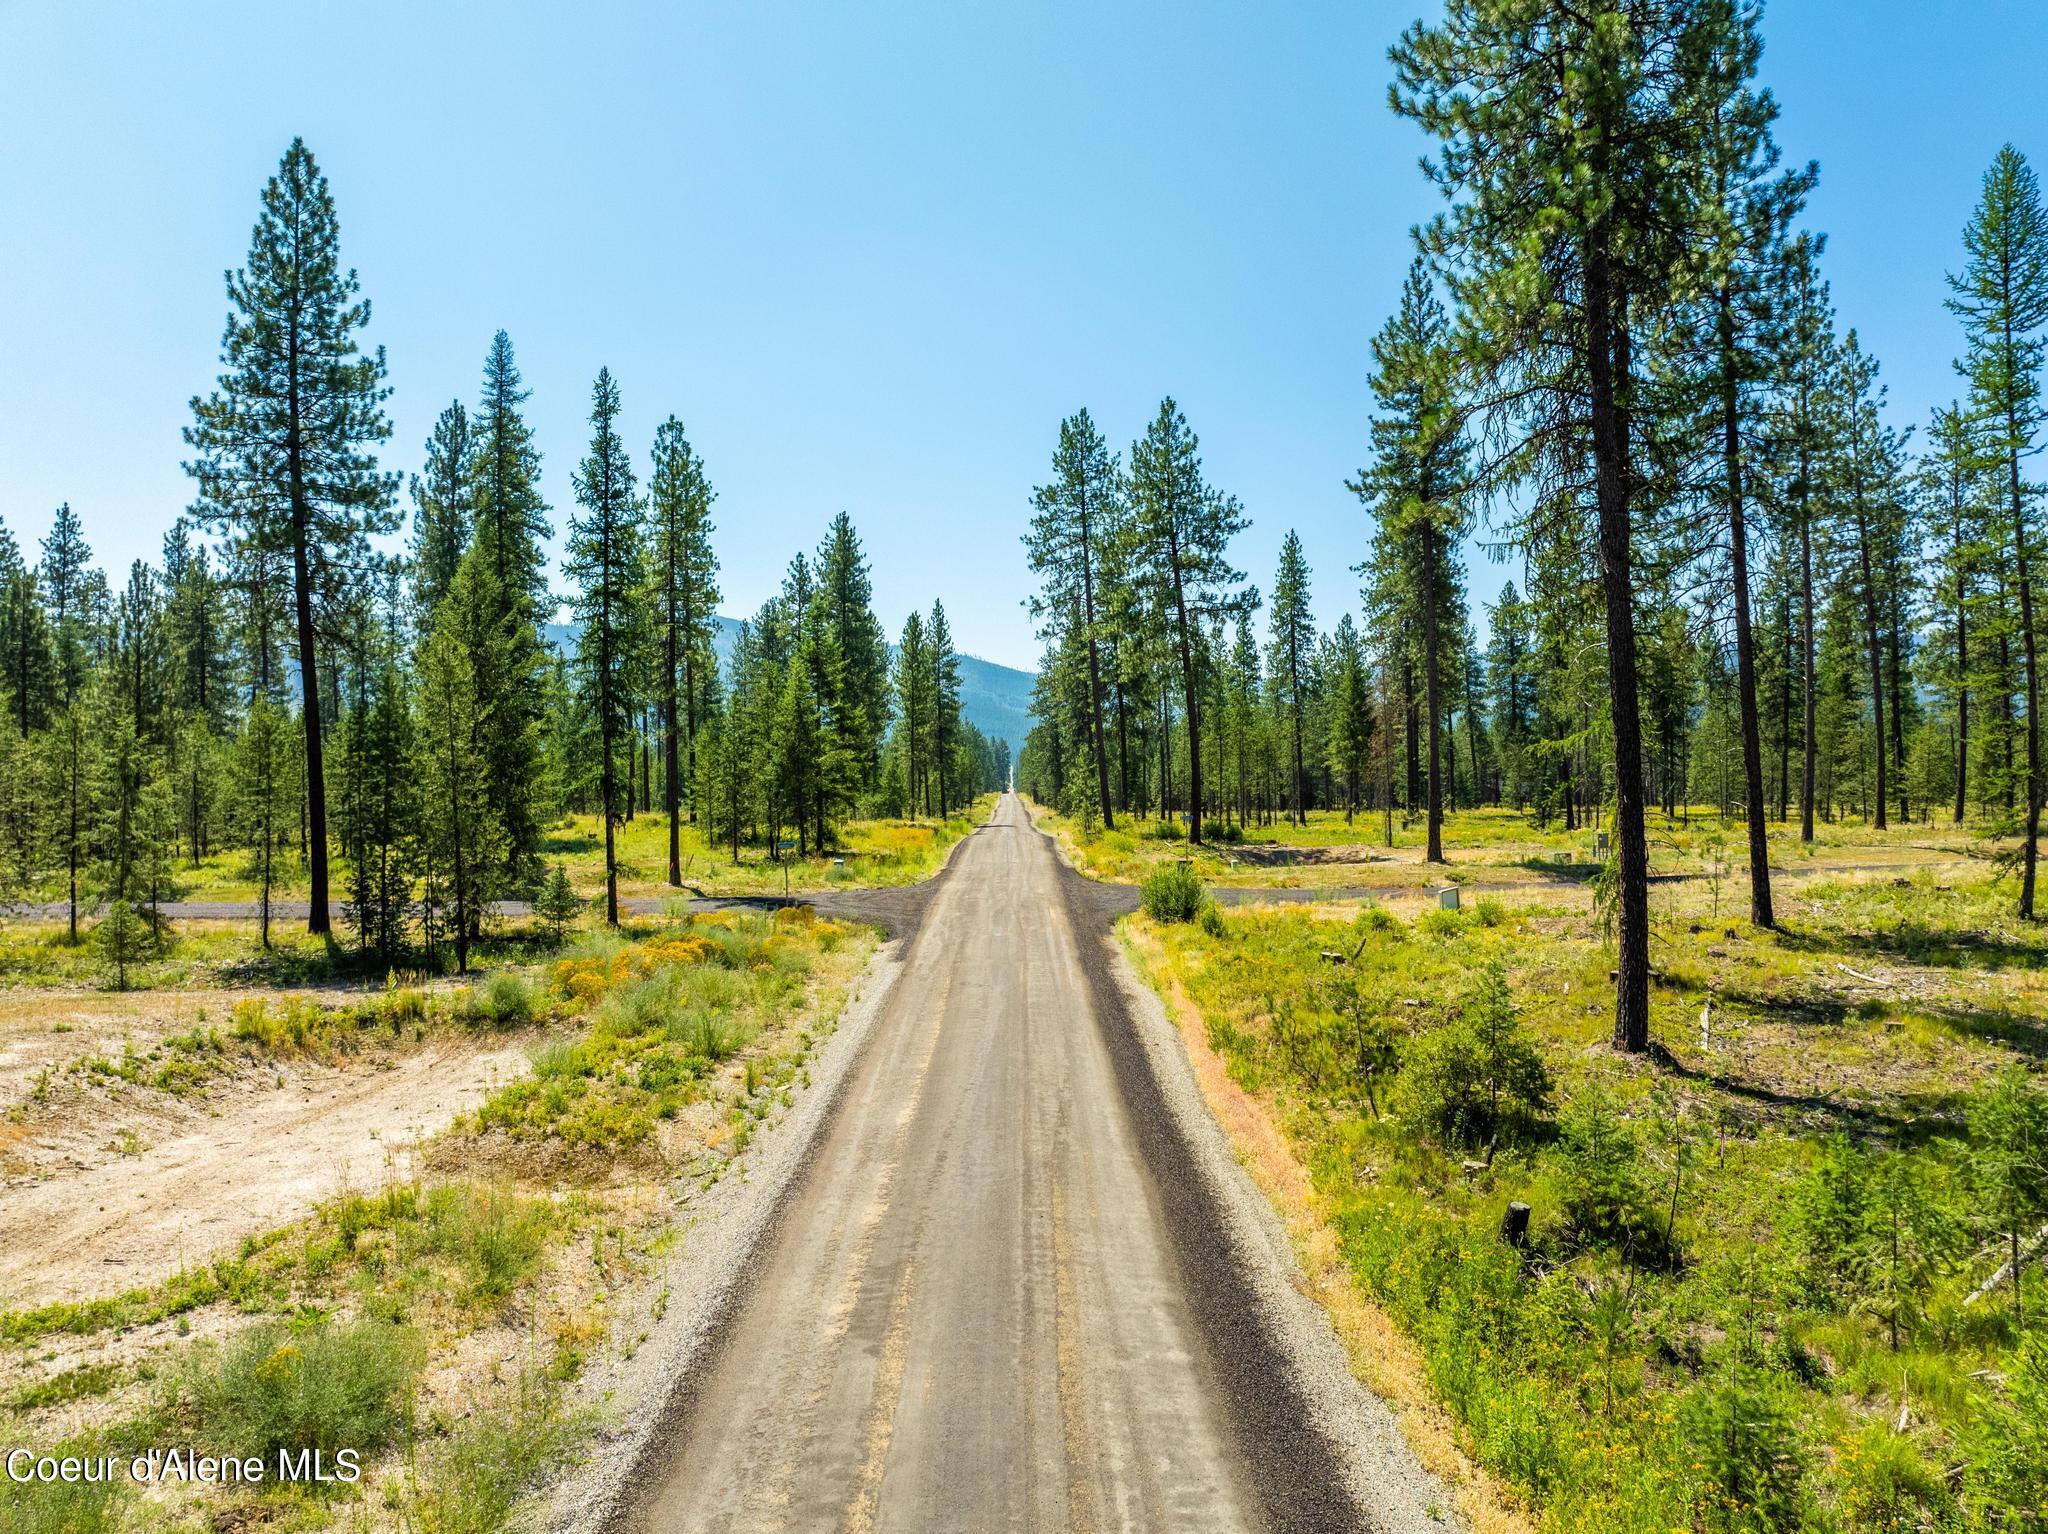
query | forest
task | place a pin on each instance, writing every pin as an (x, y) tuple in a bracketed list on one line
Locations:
[(1741, 587), (287, 686)]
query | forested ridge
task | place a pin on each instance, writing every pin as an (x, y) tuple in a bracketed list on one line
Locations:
[(1615, 365), (310, 674)]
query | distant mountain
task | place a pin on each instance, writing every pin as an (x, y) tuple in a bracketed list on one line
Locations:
[(995, 699)]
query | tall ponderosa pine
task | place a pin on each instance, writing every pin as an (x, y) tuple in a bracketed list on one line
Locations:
[(2002, 296), (945, 717), (1746, 208), (1416, 485), (1568, 229), (607, 562), (1180, 531), (286, 444), (1073, 516), (67, 583)]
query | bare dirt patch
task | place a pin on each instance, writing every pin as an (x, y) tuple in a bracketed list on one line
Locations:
[(125, 1193)]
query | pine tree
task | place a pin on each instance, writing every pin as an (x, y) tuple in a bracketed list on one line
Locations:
[(861, 712), (1746, 207), (607, 562), (1416, 484), (444, 510), (944, 734), (1074, 515), (197, 629), (286, 445), (1180, 531), (685, 581), (914, 685), (1567, 232), (1954, 485), (1349, 739), (66, 578), (1293, 633), (556, 906), (459, 828), (2002, 297), (26, 654), (511, 533), (379, 815)]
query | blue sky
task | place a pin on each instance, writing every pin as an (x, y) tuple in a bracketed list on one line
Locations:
[(869, 253)]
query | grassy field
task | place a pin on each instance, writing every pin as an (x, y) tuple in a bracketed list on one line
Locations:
[(1757, 1287), (869, 853), (434, 1322), (1497, 848), (210, 951)]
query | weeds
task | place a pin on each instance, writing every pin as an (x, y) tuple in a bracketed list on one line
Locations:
[(326, 1386)]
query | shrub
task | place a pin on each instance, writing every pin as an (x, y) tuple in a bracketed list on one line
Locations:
[(1479, 1079), (1173, 894), (472, 1485), (328, 1387), (1829, 1214), (1212, 920), (504, 1001), (1377, 918), (1368, 1038)]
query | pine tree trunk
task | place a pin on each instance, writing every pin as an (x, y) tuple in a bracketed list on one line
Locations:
[(2030, 849), (1760, 912), (1606, 352), (1811, 689), (1876, 659), (1431, 667), (317, 920), (1962, 695)]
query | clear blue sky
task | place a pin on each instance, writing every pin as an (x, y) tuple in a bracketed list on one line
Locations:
[(869, 253)]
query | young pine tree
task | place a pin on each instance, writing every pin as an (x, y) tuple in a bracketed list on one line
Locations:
[(461, 836)]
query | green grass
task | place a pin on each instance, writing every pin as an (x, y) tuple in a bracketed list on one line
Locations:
[(1689, 1339), (663, 1015), (1495, 845), (325, 1386)]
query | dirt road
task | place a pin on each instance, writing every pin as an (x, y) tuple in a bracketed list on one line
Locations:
[(197, 1182), (987, 1304)]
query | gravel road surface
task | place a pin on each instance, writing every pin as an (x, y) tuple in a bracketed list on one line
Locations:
[(1004, 1294)]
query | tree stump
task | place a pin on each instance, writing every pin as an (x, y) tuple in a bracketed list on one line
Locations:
[(1514, 1225)]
